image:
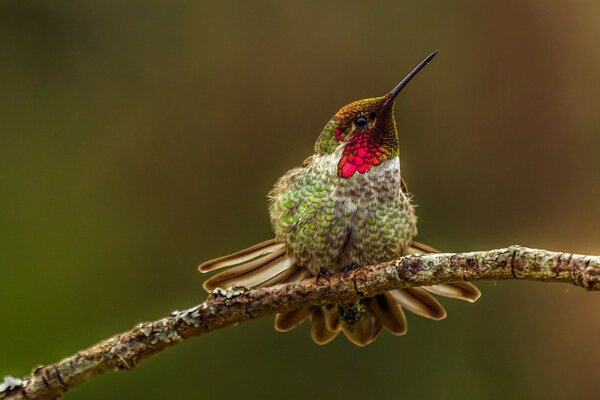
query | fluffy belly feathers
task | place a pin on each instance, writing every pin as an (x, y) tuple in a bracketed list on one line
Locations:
[(328, 222)]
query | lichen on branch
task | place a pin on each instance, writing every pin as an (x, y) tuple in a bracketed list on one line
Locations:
[(230, 306)]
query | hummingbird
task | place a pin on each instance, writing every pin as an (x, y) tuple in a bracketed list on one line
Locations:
[(346, 206)]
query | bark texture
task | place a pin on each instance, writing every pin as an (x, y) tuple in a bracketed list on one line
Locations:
[(227, 307)]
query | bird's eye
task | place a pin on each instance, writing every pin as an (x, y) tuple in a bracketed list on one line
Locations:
[(360, 122)]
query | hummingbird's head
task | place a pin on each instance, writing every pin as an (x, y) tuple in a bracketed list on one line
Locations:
[(366, 129)]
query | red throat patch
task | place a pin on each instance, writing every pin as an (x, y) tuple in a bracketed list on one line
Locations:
[(360, 155)]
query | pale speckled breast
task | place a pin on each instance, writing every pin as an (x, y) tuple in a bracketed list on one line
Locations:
[(330, 222)]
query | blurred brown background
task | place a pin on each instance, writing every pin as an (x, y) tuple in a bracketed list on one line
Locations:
[(140, 138)]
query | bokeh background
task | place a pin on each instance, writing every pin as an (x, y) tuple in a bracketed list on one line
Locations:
[(140, 138)]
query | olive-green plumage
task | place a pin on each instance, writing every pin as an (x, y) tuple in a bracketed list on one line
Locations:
[(329, 222)]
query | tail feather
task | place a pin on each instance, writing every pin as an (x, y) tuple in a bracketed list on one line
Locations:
[(267, 264), (252, 277), (298, 275), (364, 331), (281, 277), (242, 256), (321, 331), (332, 317), (389, 312), (458, 290), (420, 248), (420, 302), (287, 321), (263, 264)]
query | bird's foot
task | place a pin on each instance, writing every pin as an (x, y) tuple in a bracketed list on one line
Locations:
[(348, 268), (323, 274)]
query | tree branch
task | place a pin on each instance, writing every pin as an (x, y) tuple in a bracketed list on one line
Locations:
[(227, 307)]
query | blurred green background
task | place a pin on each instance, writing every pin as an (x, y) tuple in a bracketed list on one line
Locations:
[(140, 138)]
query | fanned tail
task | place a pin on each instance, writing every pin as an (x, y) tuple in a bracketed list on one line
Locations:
[(387, 309), (264, 264), (267, 264)]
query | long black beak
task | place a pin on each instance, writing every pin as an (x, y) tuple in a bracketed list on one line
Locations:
[(392, 95)]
